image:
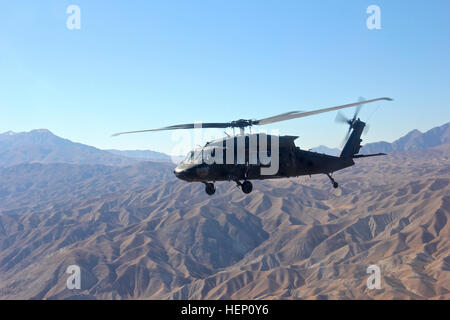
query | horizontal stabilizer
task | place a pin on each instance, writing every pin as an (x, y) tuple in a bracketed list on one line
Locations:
[(368, 155)]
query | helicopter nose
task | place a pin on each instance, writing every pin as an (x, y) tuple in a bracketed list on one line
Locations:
[(179, 173)]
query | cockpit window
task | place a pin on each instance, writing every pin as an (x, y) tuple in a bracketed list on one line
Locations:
[(189, 157), (198, 156), (194, 157)]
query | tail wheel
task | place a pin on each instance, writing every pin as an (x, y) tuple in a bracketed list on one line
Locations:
[(210, 189), (247, 187)]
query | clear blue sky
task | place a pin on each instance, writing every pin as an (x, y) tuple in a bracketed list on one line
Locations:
[(144, 64)]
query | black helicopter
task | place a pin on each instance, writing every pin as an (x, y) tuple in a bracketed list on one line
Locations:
[(258, 156)]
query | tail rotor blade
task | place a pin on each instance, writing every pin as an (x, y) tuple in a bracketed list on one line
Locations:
[(358, 108), (366, 129), (341, 118)]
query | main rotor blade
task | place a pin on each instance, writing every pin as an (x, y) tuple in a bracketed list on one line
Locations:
[(181, 126), (358, 108), (299, 114), (245, 123)]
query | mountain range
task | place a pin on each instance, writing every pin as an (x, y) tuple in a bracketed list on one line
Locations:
[(414, 140), (138, 233), (143, 155), (42, 146)]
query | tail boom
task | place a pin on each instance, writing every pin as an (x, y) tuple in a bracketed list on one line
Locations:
[(353, 144)]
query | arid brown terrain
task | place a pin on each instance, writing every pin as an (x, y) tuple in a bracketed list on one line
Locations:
[(137, 233)]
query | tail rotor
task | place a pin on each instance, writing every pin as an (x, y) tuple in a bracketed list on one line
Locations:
[(340, 117)]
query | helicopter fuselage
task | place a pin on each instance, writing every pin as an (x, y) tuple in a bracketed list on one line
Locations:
[(292, 161)]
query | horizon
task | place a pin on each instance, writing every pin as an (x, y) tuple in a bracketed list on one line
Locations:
[(178, 155)]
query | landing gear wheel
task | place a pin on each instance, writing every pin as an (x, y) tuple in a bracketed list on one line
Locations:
[(210, 189), (247, 187), (335, 184)]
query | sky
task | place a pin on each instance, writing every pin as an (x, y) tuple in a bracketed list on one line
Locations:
[(146, 64)]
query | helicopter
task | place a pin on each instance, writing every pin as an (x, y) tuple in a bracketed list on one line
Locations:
[(245, 156)]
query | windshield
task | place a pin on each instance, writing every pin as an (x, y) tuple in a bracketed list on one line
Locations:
[(189, 157), (194, 157)]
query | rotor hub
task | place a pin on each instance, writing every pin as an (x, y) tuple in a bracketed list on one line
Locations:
[(242, 123)]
